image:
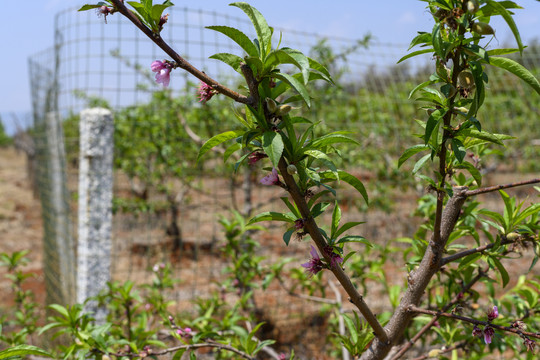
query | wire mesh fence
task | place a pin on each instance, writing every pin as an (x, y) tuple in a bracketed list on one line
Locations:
[(92, 60)]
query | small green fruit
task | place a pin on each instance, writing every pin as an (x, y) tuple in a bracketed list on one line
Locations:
[(482, 28), (271, 105), (283, 110), (291, 169), (472, 6), (513, 236), (466, 80)]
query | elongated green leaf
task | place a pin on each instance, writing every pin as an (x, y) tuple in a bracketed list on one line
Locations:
[(289, 56), (421, 38), (418, 165), (509, 20), (416, 53), (296, 85), (264, 32), (23, 350), (420, 86), (218, 139), (467, 260), (475, 173), (498, 52), (458, 149), (238, 37), (273, 146), (483, 135), (157, 10), (233, 61), (504, 274), (516, 69), (90, 7), (347, 226), (527, 212), (332, 138), (336, 218), (355, 183), (410, 152), (272, 216), (321, 69), (433, 122)]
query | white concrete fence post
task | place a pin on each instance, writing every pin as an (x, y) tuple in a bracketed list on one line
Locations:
[(95, 207)]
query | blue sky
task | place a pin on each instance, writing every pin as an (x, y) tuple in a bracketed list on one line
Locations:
[(29, 29)]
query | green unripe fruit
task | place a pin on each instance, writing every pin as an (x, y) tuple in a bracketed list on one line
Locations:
[(482, 28), (283, 110), (472, 6), (291, 169), (271, 105), (466, 80), (513, 236)]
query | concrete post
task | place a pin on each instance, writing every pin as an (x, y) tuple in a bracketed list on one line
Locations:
[(95, 206)]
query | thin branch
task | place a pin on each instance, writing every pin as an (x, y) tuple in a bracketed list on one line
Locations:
[(500, 187), (415, 309), (208, 344), (180, 61), (313, 229), (432, 322), (461, 254)]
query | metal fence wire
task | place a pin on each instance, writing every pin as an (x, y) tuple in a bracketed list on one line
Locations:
[(91, 59)]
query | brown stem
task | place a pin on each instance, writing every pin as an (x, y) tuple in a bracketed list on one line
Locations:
[(415, 309), (500, 187), (208, 344), (464, 253), (312, 228), (428, 326), (180, 61)]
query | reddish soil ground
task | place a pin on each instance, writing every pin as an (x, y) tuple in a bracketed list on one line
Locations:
[(139, 243)]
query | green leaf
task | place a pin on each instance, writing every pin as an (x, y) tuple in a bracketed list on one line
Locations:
[(289, 56), (496, 52), (321, 70), (23, 350), (504, 274), (157, 10), (272, 216), (475, 173), (218, 139), (336, 218), (421, 38), (232, 60), (509, 20), (238, 37), (332, 138), (410, 152), (347, 226), (467, 260), (273, 146), (518, 70), (483, 135), (355, 183), (418, 165), (90, 7), (178, 354), (355, 238), (433, 122), (296, 85), (264, 33), (458, 149), (415, 53), (420, 86)]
